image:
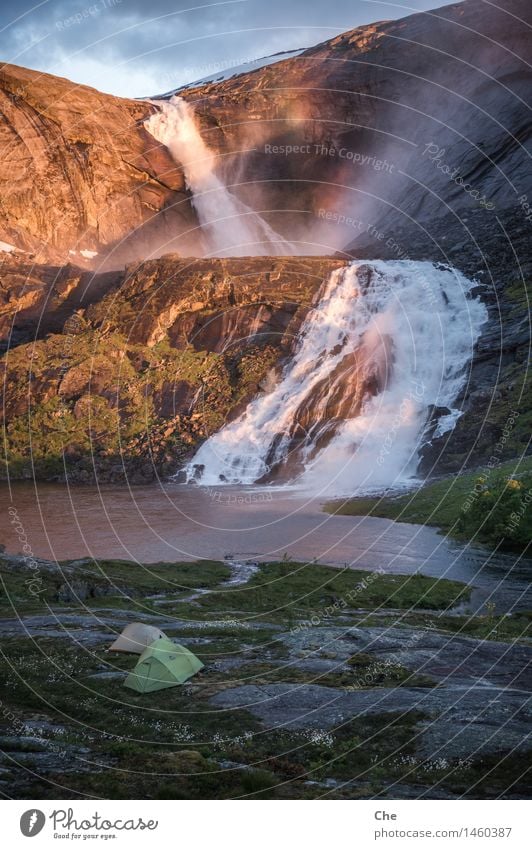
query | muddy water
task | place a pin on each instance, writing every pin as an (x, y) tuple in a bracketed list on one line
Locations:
[(172, 522)]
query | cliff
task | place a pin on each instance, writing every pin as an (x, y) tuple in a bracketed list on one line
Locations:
[(407, 139), (384, 124), (79, 173)]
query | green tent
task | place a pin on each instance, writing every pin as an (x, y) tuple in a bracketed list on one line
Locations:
[(162, 664)]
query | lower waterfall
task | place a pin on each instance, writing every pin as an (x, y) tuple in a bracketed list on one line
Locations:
[(229, 227), (387, 343)]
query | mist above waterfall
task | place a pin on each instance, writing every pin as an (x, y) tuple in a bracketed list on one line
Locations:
[(229, 227), (387, 342)]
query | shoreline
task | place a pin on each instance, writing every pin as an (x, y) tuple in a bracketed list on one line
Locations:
[(446, 503)]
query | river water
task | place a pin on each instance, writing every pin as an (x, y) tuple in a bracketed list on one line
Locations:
[(174, 522)]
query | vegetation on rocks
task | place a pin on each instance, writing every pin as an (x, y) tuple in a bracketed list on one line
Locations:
[(121, 413), (287, 590), (63, 690), (167, 352)]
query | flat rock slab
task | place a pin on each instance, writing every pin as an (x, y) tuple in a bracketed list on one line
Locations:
[(461, 721), (444, 657), (48, 756), (89, 627)]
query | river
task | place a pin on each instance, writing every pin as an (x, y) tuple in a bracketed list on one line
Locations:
[(174, 522)]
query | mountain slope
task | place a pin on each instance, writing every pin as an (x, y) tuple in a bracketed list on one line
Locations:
[(126, 380), (78, 172), (456, 80), (365, 115), (402, 140)]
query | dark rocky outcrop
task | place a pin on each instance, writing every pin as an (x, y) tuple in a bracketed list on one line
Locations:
[(39, 299), (366, 115)]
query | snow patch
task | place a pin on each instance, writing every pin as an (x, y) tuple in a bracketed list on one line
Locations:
[(6, 248), (237, 70)]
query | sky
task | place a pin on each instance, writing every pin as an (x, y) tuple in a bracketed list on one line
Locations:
[(138, 48)]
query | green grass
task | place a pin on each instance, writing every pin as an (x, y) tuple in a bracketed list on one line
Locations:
[(488, 626), (442, 503), (482, 626), (288, 591), (93, 580)]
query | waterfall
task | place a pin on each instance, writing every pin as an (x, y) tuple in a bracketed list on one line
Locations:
[(230, 228), (386, 343)]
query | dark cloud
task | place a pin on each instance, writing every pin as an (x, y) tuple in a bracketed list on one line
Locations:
[(143, 47)]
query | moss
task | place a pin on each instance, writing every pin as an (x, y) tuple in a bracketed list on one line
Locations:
[(490, 776), (102, 398), (297, 591), (513, 626), (364, 672), (256, 781), (110, 582)]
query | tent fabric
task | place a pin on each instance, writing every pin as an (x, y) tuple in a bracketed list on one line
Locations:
[(136, 637), (163, 664)]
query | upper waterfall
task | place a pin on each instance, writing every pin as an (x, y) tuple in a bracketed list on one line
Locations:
[(229, 226), (387, 342)]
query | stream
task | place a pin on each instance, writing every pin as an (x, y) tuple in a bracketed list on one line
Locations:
[(172, 522)]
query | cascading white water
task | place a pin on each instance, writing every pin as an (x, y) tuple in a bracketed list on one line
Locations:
[(229, 227), (406, 329)]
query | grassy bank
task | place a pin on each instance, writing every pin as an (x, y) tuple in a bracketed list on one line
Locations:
[(490, 506), (279, 592)]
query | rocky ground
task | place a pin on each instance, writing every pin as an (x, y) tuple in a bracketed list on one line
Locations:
[(317, 683)]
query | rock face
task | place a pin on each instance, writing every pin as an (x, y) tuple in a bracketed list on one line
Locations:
[(448, 731), (80, 173), (407, 139), (394, 124), (379, 123), (39, 299), (125, 380)]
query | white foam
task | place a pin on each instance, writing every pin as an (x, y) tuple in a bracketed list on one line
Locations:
[(229, 227), (416, 324)]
